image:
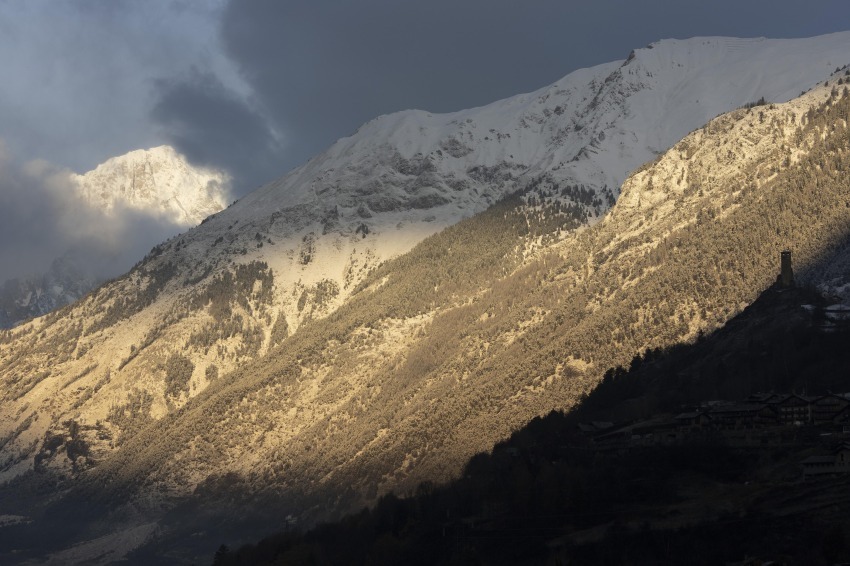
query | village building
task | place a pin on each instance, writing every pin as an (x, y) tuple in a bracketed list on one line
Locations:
[(743, 416), (825, 409), (660, 430), (818, 465), (693, 421), (842, 418), (620, 438), (651, 433), (838, 462), (766, 398), (794, 410)]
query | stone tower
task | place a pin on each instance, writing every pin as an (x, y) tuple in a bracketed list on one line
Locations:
[(786, 274)]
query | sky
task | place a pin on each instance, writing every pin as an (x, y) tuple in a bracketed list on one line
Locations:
[(257, 87)]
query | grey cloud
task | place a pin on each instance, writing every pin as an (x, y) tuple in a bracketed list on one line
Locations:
[(28, 219), (78, 75), (214, 126)]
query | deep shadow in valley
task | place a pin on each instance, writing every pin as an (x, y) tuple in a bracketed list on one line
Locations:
[(70, 528)]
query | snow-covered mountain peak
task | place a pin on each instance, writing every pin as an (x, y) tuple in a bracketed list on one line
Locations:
[(406, 175), (156, 181), (590, 128)]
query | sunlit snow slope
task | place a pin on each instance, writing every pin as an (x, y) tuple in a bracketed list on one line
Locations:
[(403, 176)]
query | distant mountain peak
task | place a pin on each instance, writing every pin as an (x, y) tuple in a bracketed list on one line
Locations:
[(158, 181)]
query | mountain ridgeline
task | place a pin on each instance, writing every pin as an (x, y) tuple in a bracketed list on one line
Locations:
[(445, 351), (298, 359)]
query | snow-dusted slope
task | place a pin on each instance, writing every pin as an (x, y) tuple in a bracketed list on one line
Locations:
[(349, 392), (694, 238), (157, 181), (404, 176)]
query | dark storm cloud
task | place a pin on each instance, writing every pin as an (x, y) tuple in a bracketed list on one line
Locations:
[(321, 69), (214, 127)]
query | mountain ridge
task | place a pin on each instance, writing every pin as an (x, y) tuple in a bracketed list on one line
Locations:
[(298, 372), (402, 181)]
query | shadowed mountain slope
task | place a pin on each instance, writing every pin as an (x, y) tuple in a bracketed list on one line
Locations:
[(550, 494)]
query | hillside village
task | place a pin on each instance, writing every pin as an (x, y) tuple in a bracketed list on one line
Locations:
[(793, 420), (760, 420)]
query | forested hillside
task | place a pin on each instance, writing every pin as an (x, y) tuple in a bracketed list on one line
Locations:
[(446, 350), (552, 494), (233, 288)]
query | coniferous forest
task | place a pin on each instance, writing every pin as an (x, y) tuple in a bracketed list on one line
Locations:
[(551, 495)]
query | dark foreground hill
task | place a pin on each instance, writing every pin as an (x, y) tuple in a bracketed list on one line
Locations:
[(553, 494)]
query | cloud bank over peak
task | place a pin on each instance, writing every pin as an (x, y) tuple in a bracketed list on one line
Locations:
[(44, 215), (216, 127), (80, 77)]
